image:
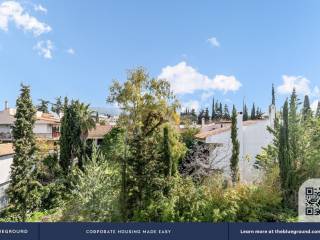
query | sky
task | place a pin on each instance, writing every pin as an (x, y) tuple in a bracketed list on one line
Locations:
[(230, 50)]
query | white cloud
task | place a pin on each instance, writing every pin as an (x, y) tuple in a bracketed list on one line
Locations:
[(214, 42), (40, 8), (192, 104), (44, 49), (186, 79), (301, 84), (11, 11), (71, 51)]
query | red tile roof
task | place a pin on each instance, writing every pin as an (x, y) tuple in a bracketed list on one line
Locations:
[(99, 132)]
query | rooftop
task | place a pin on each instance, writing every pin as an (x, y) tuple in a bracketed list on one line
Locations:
[(217, 129), (7, 117), (99, 131)]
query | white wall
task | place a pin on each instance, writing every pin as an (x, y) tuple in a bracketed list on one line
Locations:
[(43, 130), (5, 164), (254, 137)]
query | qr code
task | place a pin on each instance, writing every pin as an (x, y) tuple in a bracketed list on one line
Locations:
[(312, 201)]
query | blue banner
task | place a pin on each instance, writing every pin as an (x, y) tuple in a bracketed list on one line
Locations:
[(159, 231)]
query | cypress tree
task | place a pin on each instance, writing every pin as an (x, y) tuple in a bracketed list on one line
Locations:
[(273, 102), (253, 112), (23, 189), (213, 115), (284, 157), (245, 113), (293, 126), (220, 111), (234, 161), (75, 125), (68, 131), (306, 109)]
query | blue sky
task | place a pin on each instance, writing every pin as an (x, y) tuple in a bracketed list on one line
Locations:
[(227, 49)]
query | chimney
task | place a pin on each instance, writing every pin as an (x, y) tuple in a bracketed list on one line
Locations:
[(6, 105)]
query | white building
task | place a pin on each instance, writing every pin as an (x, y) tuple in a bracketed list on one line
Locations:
[(252, 136), (47, 126), (6, 158)]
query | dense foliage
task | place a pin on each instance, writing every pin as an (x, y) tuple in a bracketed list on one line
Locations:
[(23, 191), (147, 169)]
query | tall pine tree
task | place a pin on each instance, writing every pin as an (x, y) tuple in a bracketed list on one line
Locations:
[(234, 161), (245, 113), (213, 115), (253, 112), (306, 109), (273, 102), (23, 191), (285, 158)]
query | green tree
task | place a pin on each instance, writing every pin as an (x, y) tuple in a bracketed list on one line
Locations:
[(24, 190), (273, 102), (234, 161), (69, 139), (43, 106), (220, 111), (96, 191), (226, 114), (284, 158), (213, 114), (245, 113), (253, 112), (146, 103), (306, 109), (76, 123), (57, 107)]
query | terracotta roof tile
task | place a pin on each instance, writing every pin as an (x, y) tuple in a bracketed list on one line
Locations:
[(99, 132)]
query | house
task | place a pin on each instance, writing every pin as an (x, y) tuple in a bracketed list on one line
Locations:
[(47, 125), (6, 159), (252, 136), (97, 134)]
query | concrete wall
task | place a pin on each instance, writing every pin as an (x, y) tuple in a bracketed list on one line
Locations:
[(5, 164), (251, 138), (43, 130)]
